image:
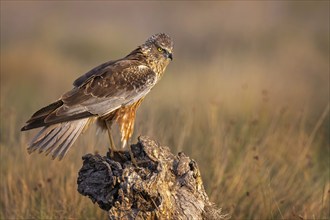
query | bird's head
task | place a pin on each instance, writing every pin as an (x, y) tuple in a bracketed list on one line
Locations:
[(158, 50)]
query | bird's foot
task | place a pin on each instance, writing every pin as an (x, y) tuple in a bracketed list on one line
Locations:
[(110, 152)]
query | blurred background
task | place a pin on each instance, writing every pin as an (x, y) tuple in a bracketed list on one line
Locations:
[(246, 96)]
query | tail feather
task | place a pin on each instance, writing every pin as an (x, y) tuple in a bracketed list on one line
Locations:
[(47, 140), (68, 142), (36, 139), (58, 138), (59, 131)]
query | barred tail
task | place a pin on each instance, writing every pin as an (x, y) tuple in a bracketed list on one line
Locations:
[(57, 139)]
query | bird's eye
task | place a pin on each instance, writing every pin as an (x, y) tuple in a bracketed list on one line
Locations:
[(159, 49)]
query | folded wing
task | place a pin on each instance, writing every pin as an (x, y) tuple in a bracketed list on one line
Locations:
[(111, 87)]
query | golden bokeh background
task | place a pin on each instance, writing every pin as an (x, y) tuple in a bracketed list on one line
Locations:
[(246, 96)]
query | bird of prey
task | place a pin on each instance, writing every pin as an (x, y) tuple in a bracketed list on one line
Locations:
[(111, 92)]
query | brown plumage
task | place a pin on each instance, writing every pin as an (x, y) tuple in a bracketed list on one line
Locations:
[(111, 92)]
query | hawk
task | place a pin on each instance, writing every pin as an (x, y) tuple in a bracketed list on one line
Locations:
[(111, 92)]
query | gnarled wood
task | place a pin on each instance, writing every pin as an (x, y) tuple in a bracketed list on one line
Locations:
[(162, 186)]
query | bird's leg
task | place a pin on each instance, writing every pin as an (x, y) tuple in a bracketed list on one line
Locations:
[(112, 144)]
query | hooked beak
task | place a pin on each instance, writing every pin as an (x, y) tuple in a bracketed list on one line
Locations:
[(169, 55)]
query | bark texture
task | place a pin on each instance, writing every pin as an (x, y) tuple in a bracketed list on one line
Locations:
[(161, 186)]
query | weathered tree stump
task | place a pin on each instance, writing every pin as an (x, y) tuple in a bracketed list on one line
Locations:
[(161, 186)]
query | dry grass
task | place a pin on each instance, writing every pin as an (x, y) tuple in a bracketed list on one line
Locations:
[(252, 108)]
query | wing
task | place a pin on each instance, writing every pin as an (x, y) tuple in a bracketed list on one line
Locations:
[(93, 72), (107, 89), (134, 55)]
